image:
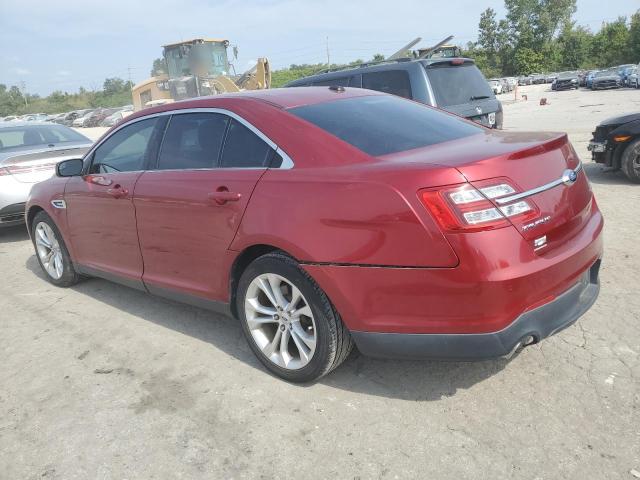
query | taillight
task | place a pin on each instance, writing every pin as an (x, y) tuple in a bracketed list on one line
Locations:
[(463, 207), (25, 169)]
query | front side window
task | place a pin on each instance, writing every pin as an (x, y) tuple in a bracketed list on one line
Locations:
[(192, 141), (244, 149), (384, 124), (125, 150), (395, 82)]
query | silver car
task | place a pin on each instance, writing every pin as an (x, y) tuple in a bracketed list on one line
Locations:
[(29, 153)]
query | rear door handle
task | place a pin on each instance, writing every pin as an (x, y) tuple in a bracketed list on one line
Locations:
[(220, 197)]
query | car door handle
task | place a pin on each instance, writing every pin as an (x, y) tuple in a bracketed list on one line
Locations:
[(117, 191), (220, 197)]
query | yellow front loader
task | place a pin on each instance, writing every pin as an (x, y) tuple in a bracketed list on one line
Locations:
[(195, 68)]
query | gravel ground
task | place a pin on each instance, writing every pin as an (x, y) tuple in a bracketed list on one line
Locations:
[(101, 381)]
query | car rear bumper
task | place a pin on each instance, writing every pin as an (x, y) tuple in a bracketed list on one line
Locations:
[(13, 195), (530, 327), (488, 297)]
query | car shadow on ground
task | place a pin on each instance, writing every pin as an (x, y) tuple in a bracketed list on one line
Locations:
[(600, 175), (13, 234), (407, 380)]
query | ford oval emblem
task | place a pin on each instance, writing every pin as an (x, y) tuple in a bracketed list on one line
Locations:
[(569, 177)]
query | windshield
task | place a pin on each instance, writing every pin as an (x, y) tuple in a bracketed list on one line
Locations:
[(457, 85), (383, 124), (34, 136), (606, 73), (200, 59)]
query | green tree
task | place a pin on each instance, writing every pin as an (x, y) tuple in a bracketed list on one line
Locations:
[(528, 61), (159, 67)]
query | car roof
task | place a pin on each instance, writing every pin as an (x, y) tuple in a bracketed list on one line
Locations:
[(283, 98), (27, 124), (398, 64)]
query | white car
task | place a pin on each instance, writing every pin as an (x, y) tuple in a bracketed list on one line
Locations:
[(496, 86), (80, 121), (29, 152)]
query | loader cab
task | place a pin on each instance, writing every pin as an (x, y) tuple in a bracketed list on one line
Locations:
[(197, 57)]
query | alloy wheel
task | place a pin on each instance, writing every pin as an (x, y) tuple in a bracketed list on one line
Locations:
[(49, 250), (280, 321)]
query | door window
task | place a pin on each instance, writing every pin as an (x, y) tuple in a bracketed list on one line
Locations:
[(395, 82), (244, 149), (125, 150), (192, 141)]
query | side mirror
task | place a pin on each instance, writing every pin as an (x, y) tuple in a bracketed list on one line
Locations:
[(70, 168)]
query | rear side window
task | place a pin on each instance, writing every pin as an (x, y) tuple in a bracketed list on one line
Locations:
[(379, 125), (244, 149), (395, 82), (125, 150), (192, 141), (457, 85), (340, 82)]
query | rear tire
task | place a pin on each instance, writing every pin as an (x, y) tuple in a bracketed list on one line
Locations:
[(51, 252), (630, 161), (288, 320)]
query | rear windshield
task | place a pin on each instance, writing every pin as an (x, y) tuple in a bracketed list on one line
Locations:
[(37, 135), (456, 85), (379, 125)]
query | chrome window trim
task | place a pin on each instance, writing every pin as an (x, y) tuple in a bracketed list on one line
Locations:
[(287, 161), (534, 191)]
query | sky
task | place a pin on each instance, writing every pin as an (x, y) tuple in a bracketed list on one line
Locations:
[(65, 44)]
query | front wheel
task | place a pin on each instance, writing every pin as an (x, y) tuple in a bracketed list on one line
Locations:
[(288, 320), (51, 252), (630, 161)]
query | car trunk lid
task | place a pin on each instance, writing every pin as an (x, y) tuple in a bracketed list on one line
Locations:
[(534, 165)]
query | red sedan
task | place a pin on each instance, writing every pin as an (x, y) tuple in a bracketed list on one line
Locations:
[(327, 217)]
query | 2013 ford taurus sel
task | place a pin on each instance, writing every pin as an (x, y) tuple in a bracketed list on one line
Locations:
[(325, 217)]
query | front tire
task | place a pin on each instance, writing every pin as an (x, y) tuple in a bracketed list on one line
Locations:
[(630, 161), (288, 320), (51, 252)]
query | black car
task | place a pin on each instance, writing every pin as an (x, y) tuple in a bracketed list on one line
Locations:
[(566, 81), (616, 143), (452, 84)]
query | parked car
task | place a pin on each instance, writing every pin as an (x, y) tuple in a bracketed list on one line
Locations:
[(83, 120), (452, 84), (630, 78), (589, 78), (524, 80), (298, 209), (623, 72), (506, 87), (72, 116), (550, 77), (496, 86), (634, 80), (616, 144), (537, 79), (28, 154), (115, 117), (10, 118), (566, 81), (606, 79), (97, 116)]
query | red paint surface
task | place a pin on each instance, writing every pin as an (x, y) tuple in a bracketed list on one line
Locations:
[(357, 223)]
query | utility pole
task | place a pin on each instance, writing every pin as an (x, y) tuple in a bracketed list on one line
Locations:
[(328, 56), (129, 72), (23, 87)]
